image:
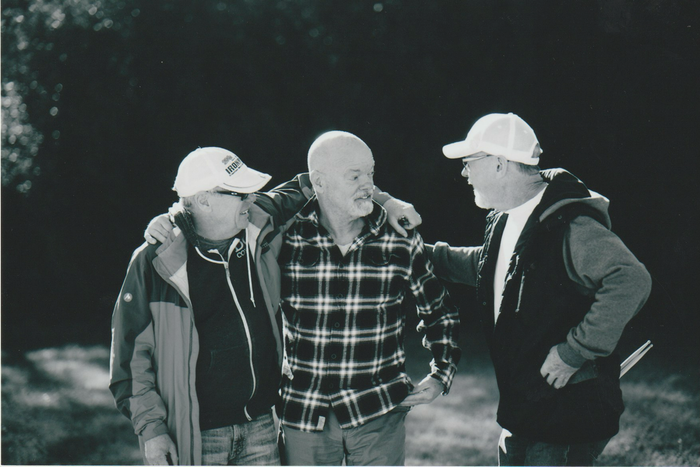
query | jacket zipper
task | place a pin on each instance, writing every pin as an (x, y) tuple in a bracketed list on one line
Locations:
[(247, 333)]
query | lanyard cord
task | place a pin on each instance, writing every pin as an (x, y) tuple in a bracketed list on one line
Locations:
[(250, 274)]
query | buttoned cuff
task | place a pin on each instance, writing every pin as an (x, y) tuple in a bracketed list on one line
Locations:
[(445, 376)]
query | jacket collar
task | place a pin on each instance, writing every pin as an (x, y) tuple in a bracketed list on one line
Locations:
[(375, 221), (171, 256)]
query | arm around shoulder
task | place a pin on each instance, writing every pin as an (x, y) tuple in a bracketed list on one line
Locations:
[(458, 265), (285, 200)]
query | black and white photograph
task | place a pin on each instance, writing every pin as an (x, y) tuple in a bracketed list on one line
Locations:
[(386, 232)]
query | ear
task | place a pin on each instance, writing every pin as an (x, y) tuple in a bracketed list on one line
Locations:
[(317, 180), (202, 201), (501, 166)]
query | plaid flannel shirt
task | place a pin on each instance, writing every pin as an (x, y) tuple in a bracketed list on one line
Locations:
[(345, 321)]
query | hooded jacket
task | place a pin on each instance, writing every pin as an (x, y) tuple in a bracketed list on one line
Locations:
[(571, 283), (155, 344)]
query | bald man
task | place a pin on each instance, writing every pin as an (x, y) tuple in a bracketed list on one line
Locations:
[(345, 391)]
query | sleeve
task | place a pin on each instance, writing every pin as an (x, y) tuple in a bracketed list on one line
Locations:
[(439, 316), (132, 376), (380, 196), (459, 265), (599, 261), (285, 200)]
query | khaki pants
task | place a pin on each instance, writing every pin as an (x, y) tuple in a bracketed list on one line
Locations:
[(379, 442)]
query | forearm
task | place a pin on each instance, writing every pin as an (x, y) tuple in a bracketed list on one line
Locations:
[(622, 295), (598, 261), (285, 200), (133, 384), (439, 319), (458, 265), (380, 196)]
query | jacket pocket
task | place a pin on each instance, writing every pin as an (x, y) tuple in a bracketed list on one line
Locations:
[(589, 370)]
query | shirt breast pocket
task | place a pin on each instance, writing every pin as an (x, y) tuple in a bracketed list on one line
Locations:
[(309, 257), (381, 258)]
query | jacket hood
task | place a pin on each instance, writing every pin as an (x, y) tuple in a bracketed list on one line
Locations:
[(564, 188), (183, 220)]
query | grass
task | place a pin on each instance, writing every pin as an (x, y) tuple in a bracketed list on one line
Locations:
[(57, 410)]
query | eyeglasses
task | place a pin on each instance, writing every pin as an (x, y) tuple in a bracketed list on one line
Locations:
[(466, 161), (243, 196)]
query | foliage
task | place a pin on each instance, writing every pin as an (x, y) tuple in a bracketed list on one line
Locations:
[(36, 48), (102, 98)]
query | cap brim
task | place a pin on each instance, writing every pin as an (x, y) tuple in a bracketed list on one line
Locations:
[(246, 180), (458, 150)]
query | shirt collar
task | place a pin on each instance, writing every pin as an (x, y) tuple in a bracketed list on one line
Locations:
[(375, 221)]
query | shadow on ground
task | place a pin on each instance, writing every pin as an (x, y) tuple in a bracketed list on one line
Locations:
[(57, 410)]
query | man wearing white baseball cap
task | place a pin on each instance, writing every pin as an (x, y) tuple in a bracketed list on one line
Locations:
[(196, 345), (213, 287), (555, 290)]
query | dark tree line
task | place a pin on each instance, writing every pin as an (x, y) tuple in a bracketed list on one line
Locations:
[(101, 100)]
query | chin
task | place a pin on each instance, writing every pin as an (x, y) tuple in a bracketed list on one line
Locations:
[(480, 201), (362, 208), (242, 224)]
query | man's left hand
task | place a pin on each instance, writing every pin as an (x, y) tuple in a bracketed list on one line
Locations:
[(158, 229), (402, 215), (555, 371), (426, 392)]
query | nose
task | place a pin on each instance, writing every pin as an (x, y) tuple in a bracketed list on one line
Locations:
[(251, 198), (465, 171), (367, 182)]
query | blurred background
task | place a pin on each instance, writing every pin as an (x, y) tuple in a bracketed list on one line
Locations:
[(102, 99)]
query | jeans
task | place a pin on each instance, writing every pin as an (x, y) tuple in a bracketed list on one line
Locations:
[(516, 450), (381, 441), (251, 443)]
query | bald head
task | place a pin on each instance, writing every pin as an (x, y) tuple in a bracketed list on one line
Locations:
[(341, 168), (333, 148)]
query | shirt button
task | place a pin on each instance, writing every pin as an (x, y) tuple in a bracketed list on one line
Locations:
[(336, 325), (333, 356), (331, 385), (340, 296), (483, 303)]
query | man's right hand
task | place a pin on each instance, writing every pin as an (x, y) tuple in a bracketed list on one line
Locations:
[(158, 229), (158, 448), (402, 215)]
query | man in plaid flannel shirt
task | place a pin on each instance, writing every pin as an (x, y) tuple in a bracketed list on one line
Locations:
[(345, 392)]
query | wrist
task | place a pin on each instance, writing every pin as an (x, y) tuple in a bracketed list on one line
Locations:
[(569, 355), (381, 197)]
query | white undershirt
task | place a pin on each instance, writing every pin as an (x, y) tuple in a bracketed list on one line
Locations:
[(517, 217), (344, 248)]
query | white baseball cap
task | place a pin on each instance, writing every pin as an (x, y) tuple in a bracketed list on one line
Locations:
[(211, 167), (505, 135)]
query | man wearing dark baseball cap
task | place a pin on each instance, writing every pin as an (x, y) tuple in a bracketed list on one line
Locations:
[(555, 290), (196, 347)]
